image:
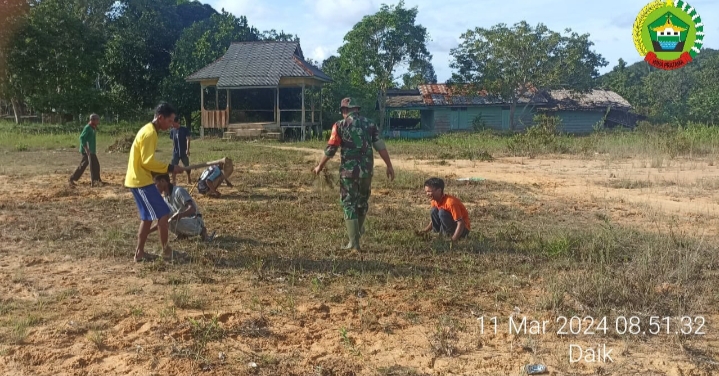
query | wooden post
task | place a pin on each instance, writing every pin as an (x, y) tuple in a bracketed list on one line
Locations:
[(320, 127), (302, 123), (312, 115), (227, 108), (277, 107), (202, 111), (277, 114)]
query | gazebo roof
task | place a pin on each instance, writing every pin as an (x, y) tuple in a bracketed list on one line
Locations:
[(262, 63)]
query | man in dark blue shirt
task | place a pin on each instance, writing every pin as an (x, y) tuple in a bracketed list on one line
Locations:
[(180, 147)]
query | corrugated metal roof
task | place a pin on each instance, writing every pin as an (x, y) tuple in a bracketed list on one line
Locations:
[(567, 100), (398, 98), (444, 95), (401, 101), (261, 63)]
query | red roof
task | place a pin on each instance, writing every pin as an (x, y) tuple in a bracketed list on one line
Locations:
[(443, 95)]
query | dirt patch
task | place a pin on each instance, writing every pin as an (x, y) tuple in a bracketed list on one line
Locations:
[(273, 295), (684, 188), (122, 145)]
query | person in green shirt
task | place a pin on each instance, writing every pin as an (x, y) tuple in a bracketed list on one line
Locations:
[(89, 156)]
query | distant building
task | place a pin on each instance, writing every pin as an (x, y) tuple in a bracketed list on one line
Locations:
[(434, 109), (243, 91)]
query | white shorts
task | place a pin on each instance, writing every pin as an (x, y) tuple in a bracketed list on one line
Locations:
[(187, 226)]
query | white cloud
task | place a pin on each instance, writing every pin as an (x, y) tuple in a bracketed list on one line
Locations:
[(320, 53), (251, 9), (322, 24), (442, 43), (342, 12)]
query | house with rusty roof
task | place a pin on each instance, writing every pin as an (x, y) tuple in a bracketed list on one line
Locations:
[(260, 88), (437, 108)]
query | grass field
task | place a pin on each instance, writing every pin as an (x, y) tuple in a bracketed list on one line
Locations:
[(616, 225)]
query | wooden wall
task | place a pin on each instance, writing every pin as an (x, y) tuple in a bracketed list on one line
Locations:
[(579, 122), (215, 119)]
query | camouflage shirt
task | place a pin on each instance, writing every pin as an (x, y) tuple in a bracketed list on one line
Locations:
[(357, 136)]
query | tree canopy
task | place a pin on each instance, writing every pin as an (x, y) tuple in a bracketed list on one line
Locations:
[(199, 45), (380, 44), (511, 61), (689, 94), (120, 57)]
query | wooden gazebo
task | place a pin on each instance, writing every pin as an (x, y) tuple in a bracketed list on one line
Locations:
[(260, 88)]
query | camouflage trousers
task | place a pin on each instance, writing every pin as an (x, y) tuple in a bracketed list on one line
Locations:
[(354, 194)]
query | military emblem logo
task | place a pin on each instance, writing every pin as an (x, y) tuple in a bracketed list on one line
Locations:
[(668, 33)]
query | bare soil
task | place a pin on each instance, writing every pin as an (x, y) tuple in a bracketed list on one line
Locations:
[(73, 303)]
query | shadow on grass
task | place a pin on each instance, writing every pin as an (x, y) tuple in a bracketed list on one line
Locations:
[(273, 197), (233, 241), (357, 265)]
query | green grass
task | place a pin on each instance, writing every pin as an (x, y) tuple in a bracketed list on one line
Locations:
[(30, 137), (693, 140)]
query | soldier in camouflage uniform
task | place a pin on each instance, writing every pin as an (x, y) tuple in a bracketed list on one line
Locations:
[(357, 136)]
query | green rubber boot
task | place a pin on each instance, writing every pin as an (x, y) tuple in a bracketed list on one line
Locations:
[(360, 223), (353, 233)]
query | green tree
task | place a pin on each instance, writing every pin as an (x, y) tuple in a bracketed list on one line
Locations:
[(667, 93), (381, 43), (678, 96), (138, 52), (342, 86), (190, 12), (628, 82), (280, 37), (510, 61), (54, 57), (703, 101), (13, 15), (199, 45), (420, 72)]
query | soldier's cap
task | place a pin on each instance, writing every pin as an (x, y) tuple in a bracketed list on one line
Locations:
[(349, 103)]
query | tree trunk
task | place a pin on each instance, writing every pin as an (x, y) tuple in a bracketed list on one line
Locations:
[(382, 99), (16, 110)]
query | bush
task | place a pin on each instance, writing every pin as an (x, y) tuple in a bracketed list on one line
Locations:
[(478, 124), (543, 136)]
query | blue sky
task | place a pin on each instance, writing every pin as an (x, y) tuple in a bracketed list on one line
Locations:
[(322, 24)]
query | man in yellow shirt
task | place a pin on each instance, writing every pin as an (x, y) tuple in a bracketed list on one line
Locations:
[(140, 167)]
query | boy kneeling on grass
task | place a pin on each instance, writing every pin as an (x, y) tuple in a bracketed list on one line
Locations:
[(213, 176), (448, 216), (186, 220)]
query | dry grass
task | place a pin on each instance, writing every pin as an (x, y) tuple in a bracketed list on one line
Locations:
[(276, 264)]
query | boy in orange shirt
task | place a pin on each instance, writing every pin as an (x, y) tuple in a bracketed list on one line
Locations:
[(448, 214)]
